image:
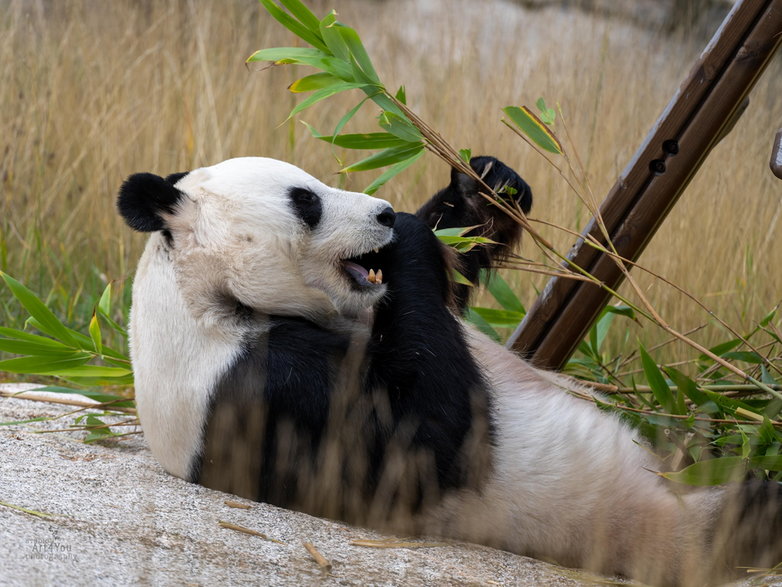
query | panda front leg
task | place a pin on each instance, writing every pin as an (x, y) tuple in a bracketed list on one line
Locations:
[(460, 204)]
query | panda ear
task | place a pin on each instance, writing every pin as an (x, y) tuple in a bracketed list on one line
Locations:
[(144, 197)]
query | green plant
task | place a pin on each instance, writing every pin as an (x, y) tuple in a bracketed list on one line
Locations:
[(84, 363)]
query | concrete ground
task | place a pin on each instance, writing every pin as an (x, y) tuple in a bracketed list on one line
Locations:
[(107, 514)]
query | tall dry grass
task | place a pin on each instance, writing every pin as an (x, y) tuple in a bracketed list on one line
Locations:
[(93, 91)]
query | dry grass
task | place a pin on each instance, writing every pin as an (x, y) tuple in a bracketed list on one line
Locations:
[(93, 91)]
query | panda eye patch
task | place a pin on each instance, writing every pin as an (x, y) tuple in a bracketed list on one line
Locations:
[(307, 206)]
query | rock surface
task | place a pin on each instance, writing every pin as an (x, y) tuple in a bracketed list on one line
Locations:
[(108, 514)]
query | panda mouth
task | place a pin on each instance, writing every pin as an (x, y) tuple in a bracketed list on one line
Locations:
[(364, 271)]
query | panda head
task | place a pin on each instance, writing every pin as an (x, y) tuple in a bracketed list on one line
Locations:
[(261, 233)]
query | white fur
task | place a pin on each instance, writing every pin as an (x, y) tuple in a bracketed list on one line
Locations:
[(235, 234)]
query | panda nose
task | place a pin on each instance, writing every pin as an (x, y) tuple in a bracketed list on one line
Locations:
[(387, 217)]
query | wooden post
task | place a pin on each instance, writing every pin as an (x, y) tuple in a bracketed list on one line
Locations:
[(700, 113)]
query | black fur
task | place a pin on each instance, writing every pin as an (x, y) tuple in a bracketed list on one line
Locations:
[(409, 404), (461, 205), (405, 405), (307, 206), (142, 199)]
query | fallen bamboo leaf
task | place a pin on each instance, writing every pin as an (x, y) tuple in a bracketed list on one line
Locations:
[(249, 531), (237, 505), (35, 513), (392, 543), (323, 563)]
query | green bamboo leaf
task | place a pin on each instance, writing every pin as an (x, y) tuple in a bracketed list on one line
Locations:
[(305, 56), (499, 318), (369, 141), (710, 472), (95, 334), (534, 128), (93, 371), (464, 244), (356, 47), (297, 28), (27, 347), (599, 331), (386, 157), (401, 95), (382, 100), (687, 386), (300, 11), (656, 380), (329, 32), (746, 356), (44, 365), (400, 127), (391, 172), (722, 348), (319, 95), (45, 319), (767, 462), (455, 231), (503, 293), (350, 114), (466, 155), (768, 318), (316, 81), (104, 303), (474, 318), (457, 277)]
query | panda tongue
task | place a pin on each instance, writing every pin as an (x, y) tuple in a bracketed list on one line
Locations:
[(357, 272)]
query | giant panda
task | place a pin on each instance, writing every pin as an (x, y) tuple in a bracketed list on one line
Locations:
[(302, 345)]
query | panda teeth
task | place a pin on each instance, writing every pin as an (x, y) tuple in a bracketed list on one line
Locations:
[(376, 250), (376, 278)]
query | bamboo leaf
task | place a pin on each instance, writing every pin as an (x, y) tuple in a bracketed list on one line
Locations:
[(499, 318), (316, 81), (319, 95), (104, 303), (45, 319), (503, 293), (391, 172), (401, 95), (95, 334), (300, 11), (329, 32), (400, 127), (687, 386), (27, 347), (534, 128), (710, 472), (297, 28), (356, 47), (474, 318), (386, 157), (48, 365), (656, 380), (305, 56), (93, 371), (369, 141)]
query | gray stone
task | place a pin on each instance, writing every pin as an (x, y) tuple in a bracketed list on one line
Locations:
[(115, 517)]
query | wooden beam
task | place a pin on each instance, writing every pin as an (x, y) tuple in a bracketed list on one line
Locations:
[(700, 113)]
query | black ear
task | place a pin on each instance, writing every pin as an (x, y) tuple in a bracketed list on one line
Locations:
[(142, 199)]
